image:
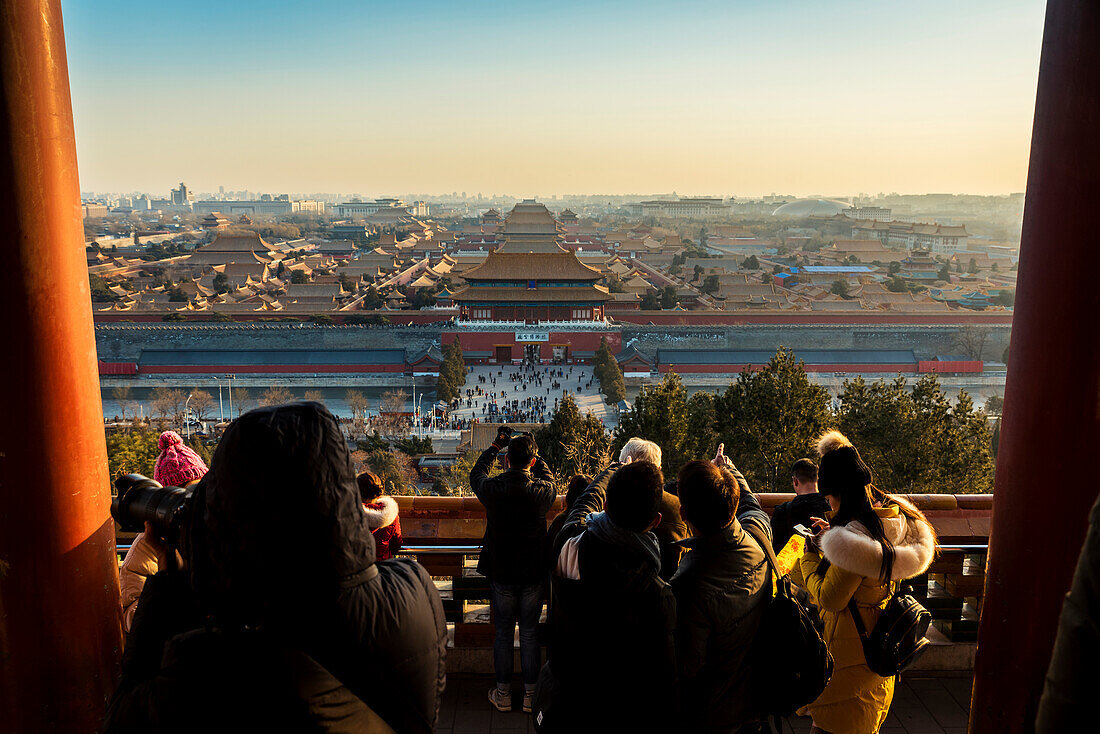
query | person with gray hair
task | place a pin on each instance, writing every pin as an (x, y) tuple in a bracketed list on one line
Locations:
[(672, 528), (640, 449)]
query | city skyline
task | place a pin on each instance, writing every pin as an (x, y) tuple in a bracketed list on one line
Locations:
[(719, 99)]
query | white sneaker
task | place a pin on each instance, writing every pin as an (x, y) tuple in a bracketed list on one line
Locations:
[(528, 701), (500, 699)]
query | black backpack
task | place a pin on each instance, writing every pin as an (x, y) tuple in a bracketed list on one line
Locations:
[(898, 637), (791, 663)]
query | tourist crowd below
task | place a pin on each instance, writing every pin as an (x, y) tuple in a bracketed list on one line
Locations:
[(664, 593)]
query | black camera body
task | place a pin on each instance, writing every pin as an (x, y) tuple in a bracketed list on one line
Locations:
[(140, 500)]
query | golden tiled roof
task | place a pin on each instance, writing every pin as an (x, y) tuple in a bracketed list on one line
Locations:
[(532, 266)]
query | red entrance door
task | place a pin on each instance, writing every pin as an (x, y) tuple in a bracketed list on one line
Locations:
[(504, 355)]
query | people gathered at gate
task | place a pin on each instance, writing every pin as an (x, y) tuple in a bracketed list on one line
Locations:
[(281, 606)]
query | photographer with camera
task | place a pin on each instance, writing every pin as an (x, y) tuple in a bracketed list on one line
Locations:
[(176, 466), (279, 618), (516, 502)]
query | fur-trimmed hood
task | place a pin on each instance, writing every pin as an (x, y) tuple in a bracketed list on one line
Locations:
[(851, 547), (380, 517)]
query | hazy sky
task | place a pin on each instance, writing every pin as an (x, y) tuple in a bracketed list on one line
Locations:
[(717, 97)]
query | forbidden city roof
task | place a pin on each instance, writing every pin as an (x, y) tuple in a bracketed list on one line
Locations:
[(520, 266), (585, 294)]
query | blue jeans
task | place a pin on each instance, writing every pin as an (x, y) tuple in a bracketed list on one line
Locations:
[(511, 603)]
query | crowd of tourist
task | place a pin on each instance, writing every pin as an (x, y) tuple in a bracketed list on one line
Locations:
[(657, 589), (529, 393)]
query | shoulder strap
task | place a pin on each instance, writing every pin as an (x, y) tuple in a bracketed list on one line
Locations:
[(854, 611), (769, 554), (765, 546), (888, 553)]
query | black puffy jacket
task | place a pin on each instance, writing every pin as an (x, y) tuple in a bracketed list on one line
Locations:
[(282, 570), (722, 591), (612, 650), (516, 502)]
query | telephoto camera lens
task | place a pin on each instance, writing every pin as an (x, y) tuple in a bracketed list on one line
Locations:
[(140, 500)]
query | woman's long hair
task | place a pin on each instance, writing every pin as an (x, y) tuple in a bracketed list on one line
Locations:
[(858, 496)]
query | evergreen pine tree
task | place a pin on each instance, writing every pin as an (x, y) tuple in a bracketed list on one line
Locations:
[(770, 419)]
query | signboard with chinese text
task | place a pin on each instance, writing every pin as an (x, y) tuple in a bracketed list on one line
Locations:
[(532, 336)]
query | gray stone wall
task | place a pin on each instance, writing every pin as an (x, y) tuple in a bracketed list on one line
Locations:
[(925, 341), (124, 342)]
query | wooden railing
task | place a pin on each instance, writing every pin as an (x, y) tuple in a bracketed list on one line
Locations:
[(951, 590), (444, 535)]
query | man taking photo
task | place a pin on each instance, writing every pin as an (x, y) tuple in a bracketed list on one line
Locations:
[(516, 502)]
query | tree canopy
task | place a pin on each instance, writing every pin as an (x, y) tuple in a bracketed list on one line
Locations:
[(770, 419), (659, 414), (452, 372), (610, 374), (573, 444), (915, 440)]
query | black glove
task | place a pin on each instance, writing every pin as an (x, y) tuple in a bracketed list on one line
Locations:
[(504, 435)]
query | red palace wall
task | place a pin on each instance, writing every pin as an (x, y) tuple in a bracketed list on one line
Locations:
[(626, 316), (883, 318), (306, 369), (488, 341), (723, 369)]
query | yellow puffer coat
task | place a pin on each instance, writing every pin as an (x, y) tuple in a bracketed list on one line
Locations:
[(856, 701)]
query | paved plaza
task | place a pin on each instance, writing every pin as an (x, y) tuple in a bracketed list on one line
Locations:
[(588, 398)]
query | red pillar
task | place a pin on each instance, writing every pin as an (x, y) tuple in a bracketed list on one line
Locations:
[(60, 634), (1045, 482)]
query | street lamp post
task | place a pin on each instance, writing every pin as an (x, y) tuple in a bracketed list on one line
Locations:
[(229, 378), (187, 415), (221, 411)]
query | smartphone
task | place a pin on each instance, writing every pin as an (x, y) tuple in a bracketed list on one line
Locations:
[(804, 531)]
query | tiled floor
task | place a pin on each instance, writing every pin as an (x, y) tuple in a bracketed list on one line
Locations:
[(922, 705)]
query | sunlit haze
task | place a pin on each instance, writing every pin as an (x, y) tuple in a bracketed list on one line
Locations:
[(532, 99)]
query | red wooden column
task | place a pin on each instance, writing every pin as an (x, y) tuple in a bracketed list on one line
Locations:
[(60, 634), (1046, 481)]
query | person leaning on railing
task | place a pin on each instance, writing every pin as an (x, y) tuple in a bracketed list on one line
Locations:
[(512, 556), (848, 567), (672, 528), (381, 512), (722, 593), (176, 466), (281, 619)]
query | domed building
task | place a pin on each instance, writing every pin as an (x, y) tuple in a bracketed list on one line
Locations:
[(811, 208)]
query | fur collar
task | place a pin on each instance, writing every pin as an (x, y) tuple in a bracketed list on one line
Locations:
[(380, 517), (851, 547)]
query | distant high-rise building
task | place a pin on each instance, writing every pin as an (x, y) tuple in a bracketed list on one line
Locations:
[(181, 196)]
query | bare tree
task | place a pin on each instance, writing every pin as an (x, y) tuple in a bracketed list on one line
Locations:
[(315, 396), (121, 395), (276, 395), (971, 340), (168, 403), (242, 400), (392, 420), (202, 403), (358, 404)]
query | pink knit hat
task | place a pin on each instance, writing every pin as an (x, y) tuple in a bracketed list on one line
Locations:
[(177, 465)]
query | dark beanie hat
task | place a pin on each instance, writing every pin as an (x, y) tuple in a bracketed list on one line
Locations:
[(841, 465)]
